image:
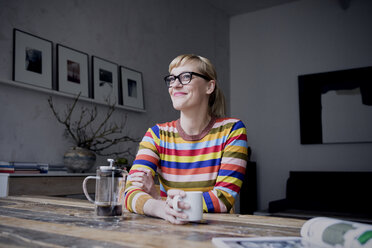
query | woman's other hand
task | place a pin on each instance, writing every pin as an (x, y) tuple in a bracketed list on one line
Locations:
[(164, 209), (143, 179)]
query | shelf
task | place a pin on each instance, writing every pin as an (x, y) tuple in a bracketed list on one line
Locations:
[(62, 94), (51, 184)]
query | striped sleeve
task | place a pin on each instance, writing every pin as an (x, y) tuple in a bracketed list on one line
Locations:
[(231, 173), (147, 157)]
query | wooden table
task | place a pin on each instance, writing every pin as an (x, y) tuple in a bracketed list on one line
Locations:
[(41, 221)]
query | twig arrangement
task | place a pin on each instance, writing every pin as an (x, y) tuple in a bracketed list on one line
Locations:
[(85, 134)]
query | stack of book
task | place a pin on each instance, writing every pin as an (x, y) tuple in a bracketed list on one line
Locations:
[(57, 168), (23, 167), (31, 168), (5, 167)]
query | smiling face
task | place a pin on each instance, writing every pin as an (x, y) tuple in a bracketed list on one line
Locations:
[(193, 96)]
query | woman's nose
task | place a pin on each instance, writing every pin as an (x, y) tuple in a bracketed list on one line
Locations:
[(177, 83)]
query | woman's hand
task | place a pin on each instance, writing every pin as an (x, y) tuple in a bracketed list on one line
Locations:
[(164, 209), (171, 213), (143, 179)]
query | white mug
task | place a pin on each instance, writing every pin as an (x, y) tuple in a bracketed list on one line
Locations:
[(195, 200)]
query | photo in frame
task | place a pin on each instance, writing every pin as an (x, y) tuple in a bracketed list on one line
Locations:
[(105, 81), (336, 106), (73, 75), (131, 88), (32, 59)]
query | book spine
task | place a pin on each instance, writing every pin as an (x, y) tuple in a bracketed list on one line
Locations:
[(5, 167), (29, 166)]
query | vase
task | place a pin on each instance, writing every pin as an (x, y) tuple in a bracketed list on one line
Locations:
[(79, 160)]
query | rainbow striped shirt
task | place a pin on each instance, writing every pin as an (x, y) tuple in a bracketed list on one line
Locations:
[(213, 162)]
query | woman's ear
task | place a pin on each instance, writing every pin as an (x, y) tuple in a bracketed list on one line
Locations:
[(211, 86)]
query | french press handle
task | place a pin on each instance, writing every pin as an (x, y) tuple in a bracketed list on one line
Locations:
[(85, 187)]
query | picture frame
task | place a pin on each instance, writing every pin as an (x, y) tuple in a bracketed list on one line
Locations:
[(73, 71), (105, 81), (335, 106), (131, 88), (32, 59)]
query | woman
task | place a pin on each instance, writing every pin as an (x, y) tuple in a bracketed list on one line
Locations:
[(201, 151)]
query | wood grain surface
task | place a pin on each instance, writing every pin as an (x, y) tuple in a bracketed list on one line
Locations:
[(41, 221)]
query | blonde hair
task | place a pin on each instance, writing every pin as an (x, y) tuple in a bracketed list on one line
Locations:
[(216, 103)]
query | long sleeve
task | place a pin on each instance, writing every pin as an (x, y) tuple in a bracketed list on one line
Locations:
[(231, 173), (147, 157)]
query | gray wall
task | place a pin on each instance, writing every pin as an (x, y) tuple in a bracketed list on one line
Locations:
[(269, 49), (141, 34)]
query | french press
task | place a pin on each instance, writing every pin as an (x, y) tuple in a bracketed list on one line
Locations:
[(110, 186)]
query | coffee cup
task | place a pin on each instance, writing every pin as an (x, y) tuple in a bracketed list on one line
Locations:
[(195, 200)]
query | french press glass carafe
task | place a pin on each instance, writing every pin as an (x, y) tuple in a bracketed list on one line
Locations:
[(110, 186)]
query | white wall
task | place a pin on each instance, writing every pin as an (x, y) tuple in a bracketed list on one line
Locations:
[(143, 35), (269, 49)]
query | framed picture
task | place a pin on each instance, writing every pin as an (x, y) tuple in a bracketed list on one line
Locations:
[(105, 81), (336, 106), (73, 76), (131, 88), (32, 59)]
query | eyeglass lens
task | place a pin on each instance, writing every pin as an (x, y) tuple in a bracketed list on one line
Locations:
[(184, 78)]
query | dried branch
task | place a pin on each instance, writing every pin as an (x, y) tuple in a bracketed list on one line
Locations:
[(67, 118), (83, 133)]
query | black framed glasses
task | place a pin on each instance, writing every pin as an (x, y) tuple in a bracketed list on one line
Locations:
[(183, 78)]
